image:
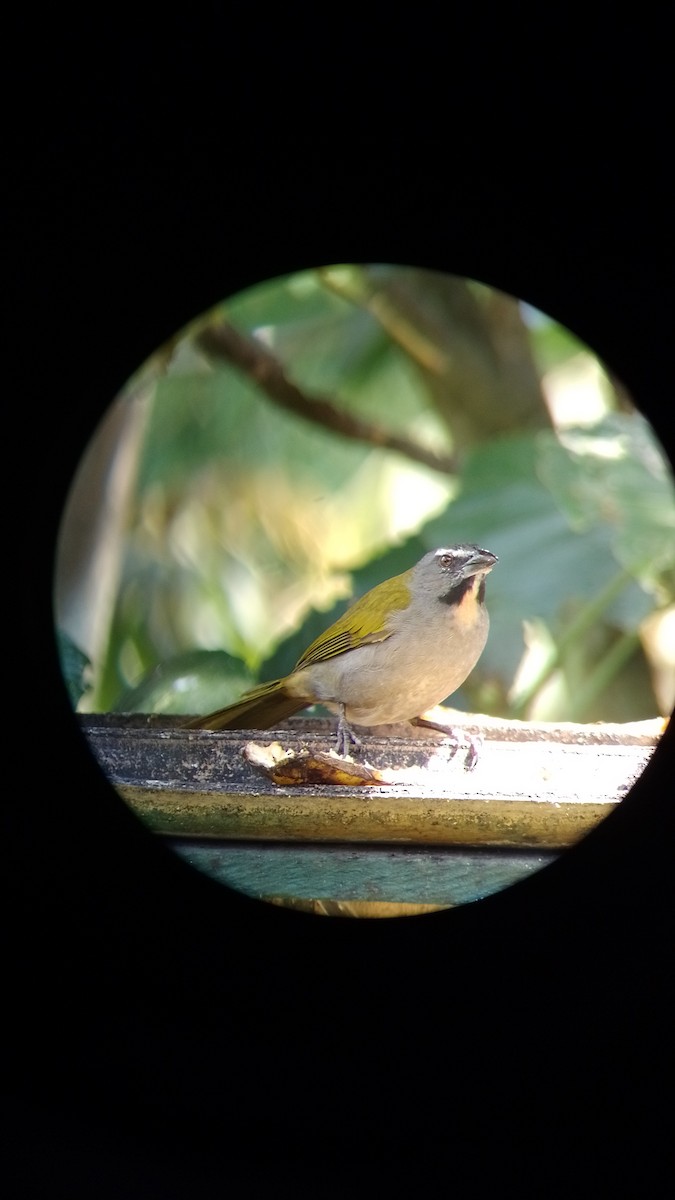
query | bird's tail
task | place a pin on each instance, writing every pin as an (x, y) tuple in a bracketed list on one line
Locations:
[(260, 708)]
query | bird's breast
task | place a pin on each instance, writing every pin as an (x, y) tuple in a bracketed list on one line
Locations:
[(424, 659)]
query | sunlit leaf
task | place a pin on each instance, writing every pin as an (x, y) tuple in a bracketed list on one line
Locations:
[(616, 475)]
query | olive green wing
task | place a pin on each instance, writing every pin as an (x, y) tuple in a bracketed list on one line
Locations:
[(365, 621)]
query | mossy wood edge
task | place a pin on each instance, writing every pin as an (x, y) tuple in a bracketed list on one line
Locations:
[(533, 787)]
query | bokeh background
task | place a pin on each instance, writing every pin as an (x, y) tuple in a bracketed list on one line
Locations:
[(318, 433)]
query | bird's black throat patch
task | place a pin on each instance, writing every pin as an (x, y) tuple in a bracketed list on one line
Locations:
[(457, 593)]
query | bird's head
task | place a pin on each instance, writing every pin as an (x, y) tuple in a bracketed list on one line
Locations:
[(452, 572)]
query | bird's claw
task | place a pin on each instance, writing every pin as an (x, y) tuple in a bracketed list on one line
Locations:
[(345, 736), (473, 743)]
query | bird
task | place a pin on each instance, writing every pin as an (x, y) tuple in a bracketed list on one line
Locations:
[(398, 651)]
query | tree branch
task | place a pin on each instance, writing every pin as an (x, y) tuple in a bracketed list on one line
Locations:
[(255, 360)]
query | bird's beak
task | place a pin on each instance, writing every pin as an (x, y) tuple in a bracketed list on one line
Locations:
[(480, 561)]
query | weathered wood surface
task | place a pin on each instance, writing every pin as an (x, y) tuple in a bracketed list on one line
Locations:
[(534, 787), (327, 878)]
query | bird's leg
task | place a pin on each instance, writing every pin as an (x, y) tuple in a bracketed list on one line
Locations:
[(346, 738), (459, 738)]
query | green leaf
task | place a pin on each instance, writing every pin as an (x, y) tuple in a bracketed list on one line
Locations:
[(198, 681), (74, 665), (615, 474), (548, 562)]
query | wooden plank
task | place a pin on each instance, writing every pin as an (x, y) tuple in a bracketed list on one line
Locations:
[(533, 787), (326, 875), (367, 817)]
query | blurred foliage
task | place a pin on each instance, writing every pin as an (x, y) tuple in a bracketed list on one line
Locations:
[(211, 679), (249, 528), (586, 589), (75, 667)]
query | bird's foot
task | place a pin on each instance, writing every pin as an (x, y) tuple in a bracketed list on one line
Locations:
[(345, 736), (459, 737)]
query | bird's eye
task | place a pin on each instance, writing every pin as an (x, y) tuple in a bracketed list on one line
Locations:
[(446, 560)]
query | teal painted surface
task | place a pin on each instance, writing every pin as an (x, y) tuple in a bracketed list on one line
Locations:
[(392, 874)]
